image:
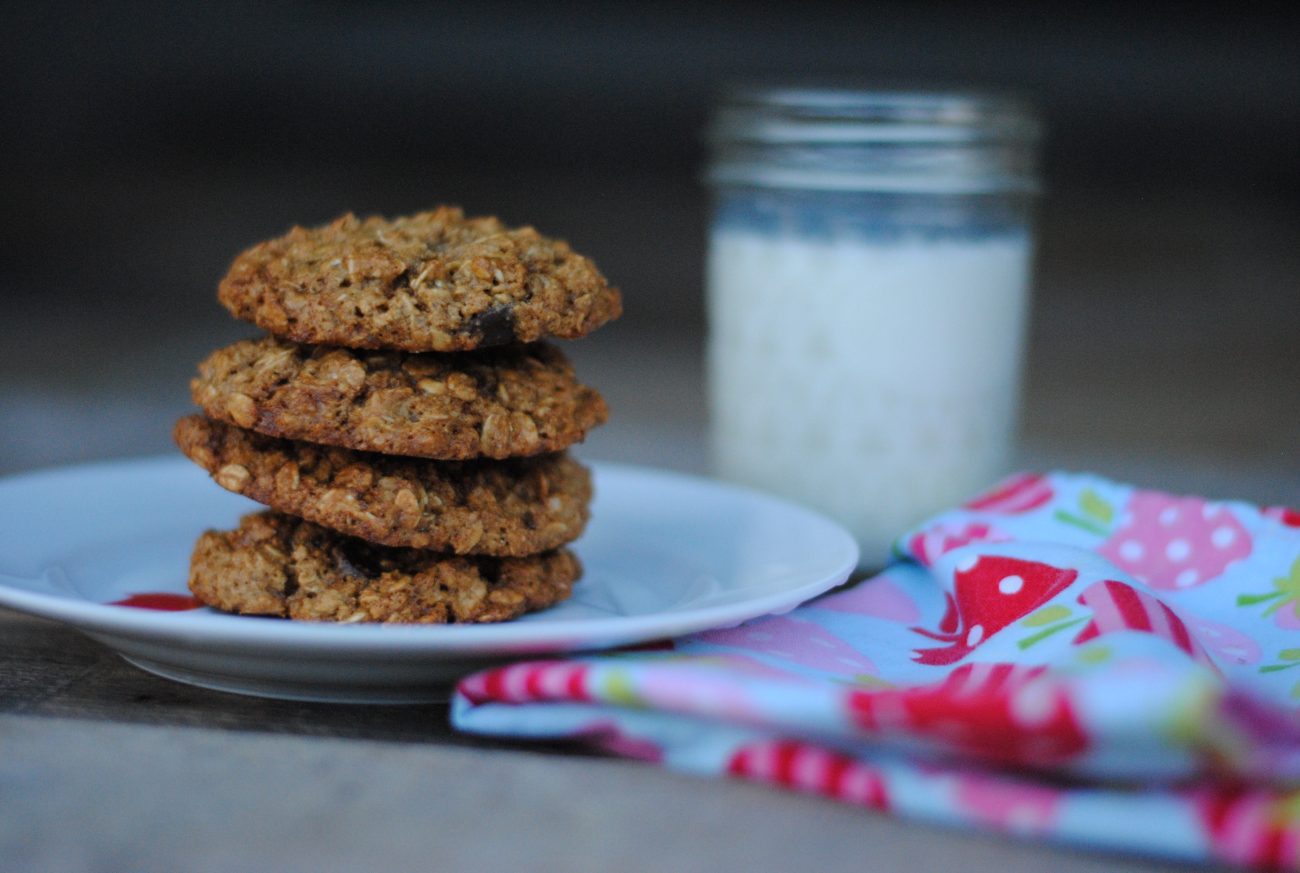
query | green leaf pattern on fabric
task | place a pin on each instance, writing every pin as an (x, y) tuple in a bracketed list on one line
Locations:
[(1288, 657), (1095, 514), (619, 688), (1045, 616), (1286, 592), (1096, 508)]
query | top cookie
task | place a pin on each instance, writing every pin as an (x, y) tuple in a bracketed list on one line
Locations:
[(435, 281)]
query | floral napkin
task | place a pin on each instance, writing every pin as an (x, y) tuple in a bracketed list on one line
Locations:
[(1065, 658)]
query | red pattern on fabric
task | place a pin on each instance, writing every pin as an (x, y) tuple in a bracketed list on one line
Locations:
[(521, 683), (1285, 514), (1251, 826), (576, 684), (1020, 493), (990, 595), (812, 769), (1006, 713), (937, 541), (1118, 606), (533, 684)]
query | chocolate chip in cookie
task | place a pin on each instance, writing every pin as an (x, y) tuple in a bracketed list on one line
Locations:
[(434, 281)]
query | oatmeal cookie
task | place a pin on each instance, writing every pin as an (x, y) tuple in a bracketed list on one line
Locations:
[(496, 403), (435, 281), (282, 566), (512, 507)]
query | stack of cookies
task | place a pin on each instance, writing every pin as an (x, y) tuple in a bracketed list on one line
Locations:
[(403, 421)]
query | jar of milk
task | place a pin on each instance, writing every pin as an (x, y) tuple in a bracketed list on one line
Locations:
[(868, 280)]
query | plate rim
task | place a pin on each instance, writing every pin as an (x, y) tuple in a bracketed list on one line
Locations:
[(219, 632)]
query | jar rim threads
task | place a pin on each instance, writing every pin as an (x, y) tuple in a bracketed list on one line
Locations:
[(852, 139)]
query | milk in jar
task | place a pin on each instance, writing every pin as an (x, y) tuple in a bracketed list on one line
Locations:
[(866, 318)]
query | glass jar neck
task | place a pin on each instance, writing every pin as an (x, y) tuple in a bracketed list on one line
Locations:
[(853, 140)]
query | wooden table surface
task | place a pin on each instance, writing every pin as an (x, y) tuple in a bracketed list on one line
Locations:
[(105, 767)]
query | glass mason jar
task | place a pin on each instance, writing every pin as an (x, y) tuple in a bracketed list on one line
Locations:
[(868, 285)]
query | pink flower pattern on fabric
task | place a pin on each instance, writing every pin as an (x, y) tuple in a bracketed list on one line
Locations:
[(1227, 642), (1288, 617), (875, 598), (795, 641), (1176, 542), (1010, 807)]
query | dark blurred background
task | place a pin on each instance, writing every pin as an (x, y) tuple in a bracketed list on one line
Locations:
[(145, 146)]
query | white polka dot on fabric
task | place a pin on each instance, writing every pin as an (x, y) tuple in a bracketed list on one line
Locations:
[(975, 635), (1011, 584), (966, 564), (1187, 578), (1131, 550), (1178, 550), (1223, 537), (1169, 515)]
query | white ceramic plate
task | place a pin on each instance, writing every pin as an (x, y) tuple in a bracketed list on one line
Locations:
[(665, 554)]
